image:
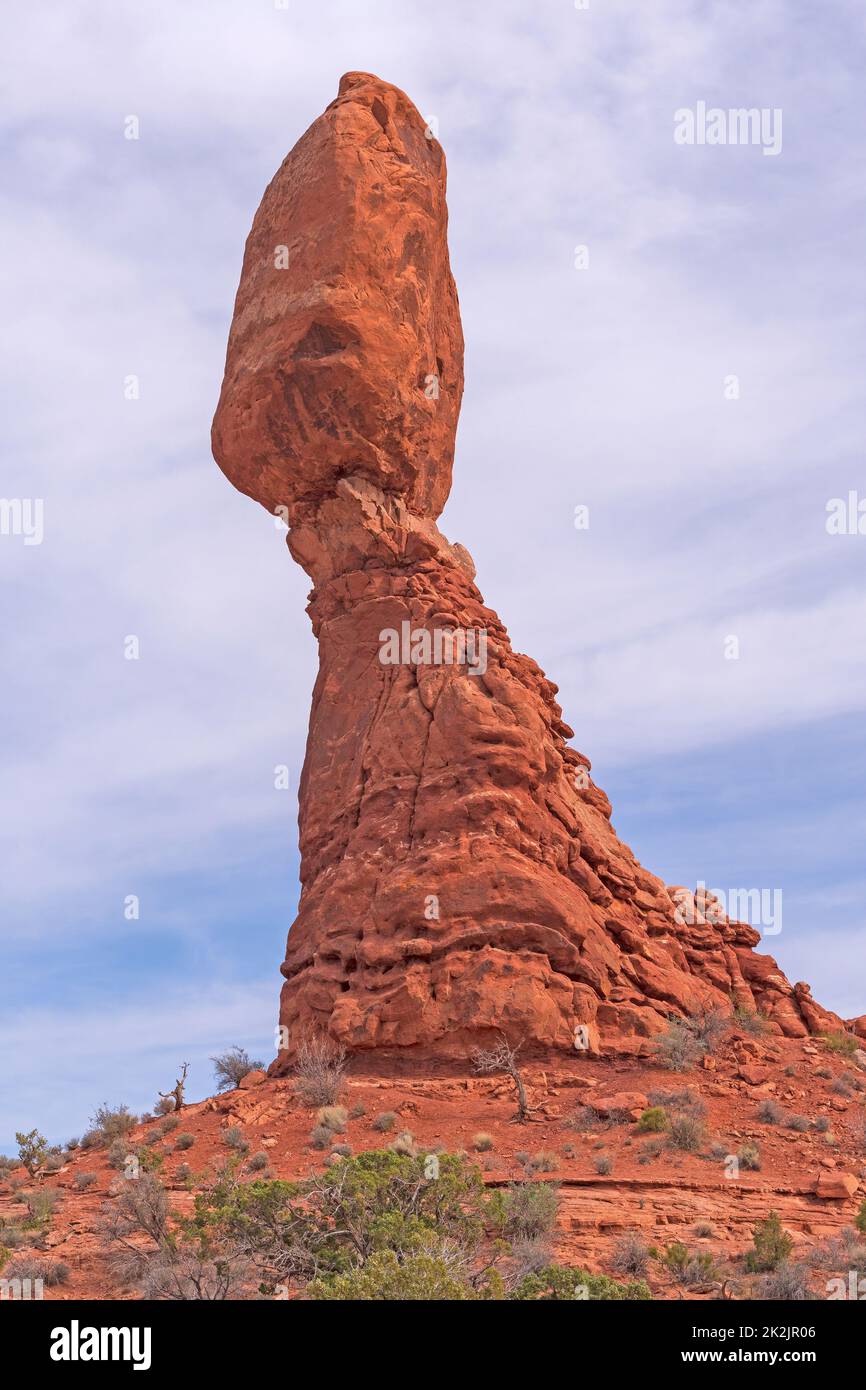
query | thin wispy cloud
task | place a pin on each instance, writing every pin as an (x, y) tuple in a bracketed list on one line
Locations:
[(601, 387)]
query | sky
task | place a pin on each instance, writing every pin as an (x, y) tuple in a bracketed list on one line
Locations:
[(693, 378)]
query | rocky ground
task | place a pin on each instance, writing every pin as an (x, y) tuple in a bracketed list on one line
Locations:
[(583, 1136)]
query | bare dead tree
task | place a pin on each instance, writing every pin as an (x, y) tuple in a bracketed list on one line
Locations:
[(503, 1057), (176, 1092)]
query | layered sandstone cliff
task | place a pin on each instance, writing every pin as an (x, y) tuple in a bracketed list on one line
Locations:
[(459, 869)]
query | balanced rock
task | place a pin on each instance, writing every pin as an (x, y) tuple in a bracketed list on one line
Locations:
[(460, 874)]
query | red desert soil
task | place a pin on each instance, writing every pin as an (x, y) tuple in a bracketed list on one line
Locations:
[(664, 1198)]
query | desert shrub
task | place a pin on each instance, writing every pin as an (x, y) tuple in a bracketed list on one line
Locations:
[(339, 1218), (650, 1151), (167, 1125), (799, 1123), (686, 1132), (482, 1143), (709, 1026), (40, 1206), (183, 1172), (603, 1164), (748, 1156), (822, 1124), (569, 1151), (385, 1278), (84, 1180), (91, 1139), (689, 1267), (786, 1284), (544, 1162), (234, 1138), (680, 1101), (320, 1137), (320, 1069), (630, 1256), (749, 1021), (524, 1211), (704, 1231), (385, 1122), (845, 1044), (51, 1272), (770, 1112), (146, 1159), (404, 1144), (718, 1151), (527, 1255), (112, 1123), (193, 1261), (342, 1150), (358, 1109), (117, 1153), (843, 1253), (653, 1120), (164, 1106), (32, 1149), (677, 1049), (258, 1162), (231, 1067), (53, 1163), (184, 1141), (72, 1144), (842, 1085), (558, 1284), (11, 1235), (860, 1218), (379, 1226), (334, 1118), (772, 1245), (584, 1119)]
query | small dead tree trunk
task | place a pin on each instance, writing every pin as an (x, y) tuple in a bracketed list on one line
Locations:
[(176, 1093), (503, 1057)]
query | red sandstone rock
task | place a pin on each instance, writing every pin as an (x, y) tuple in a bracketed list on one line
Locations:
[(836, 1185), (459, 870), (631, 1103), (252, 1078), (754, 1076)]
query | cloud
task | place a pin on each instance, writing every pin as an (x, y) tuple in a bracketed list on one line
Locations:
[(601, 387), (69, 1061)]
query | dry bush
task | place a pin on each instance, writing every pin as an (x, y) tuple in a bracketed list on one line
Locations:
[(333, 1117), (320, 1069), (51, 1272), (630, 1256), (686, 1132)]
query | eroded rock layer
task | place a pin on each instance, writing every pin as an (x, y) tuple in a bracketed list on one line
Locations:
[(459, 870)]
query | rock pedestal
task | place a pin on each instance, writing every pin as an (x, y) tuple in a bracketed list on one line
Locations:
[(459, 870)]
